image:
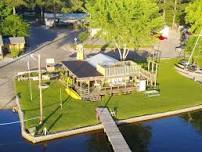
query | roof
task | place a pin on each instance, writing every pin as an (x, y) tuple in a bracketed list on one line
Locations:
[(1, 41), (15, 40), (72, 16), (101, 59), (81, 69)]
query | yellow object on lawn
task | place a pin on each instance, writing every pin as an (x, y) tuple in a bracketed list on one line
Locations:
[(73, 94)]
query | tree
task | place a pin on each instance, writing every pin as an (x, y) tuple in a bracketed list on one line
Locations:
[(194, 16), (13, 25), (15, 3), (41, 4), (4, 11), (56, 5), (189, 45), (173, 11), (73, 5), (125, 23)]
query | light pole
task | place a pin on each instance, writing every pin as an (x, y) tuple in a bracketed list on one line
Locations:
[(30, 83), (40, 90)]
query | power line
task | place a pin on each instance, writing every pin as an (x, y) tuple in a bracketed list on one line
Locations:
[(15, 122)]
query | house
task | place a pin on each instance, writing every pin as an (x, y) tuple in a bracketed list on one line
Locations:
[(1, 47), (12, 43), (101, 75)]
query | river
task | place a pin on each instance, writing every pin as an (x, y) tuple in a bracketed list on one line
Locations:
[(174, 134)]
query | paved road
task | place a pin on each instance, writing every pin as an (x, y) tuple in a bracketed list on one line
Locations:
[(59, 50)]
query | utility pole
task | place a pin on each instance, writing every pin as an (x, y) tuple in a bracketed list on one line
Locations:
[(40, 90), (30, 83)]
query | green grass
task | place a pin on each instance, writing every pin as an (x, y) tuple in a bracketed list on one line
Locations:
[(176, 92), (73, 114)]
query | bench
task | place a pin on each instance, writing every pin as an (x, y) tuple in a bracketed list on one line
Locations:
[(152, 93)]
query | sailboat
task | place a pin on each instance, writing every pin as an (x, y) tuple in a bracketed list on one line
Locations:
[(188, 69)]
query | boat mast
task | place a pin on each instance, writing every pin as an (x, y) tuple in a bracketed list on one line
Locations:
[(192, 53)]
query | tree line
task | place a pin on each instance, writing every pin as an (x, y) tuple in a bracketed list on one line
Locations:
[(12, 23), (131, 24), (124, 23)]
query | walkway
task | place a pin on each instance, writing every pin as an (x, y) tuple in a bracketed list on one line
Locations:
[(168, 47), (114, 135)]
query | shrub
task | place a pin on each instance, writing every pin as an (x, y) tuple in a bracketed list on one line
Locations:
[(83, 36), (15, 52)]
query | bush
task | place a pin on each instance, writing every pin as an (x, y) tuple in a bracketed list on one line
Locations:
[(15, 52), (83, 36), (189, 45)]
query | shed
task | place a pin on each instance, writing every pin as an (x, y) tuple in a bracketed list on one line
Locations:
[(15, 43)]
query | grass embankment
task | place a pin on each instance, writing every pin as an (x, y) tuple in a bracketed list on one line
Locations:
[(176, 92)]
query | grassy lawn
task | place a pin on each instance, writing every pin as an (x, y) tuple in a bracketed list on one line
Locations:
[(176, 92), (73, 114)]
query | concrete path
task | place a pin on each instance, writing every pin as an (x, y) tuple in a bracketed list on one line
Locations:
[(167, 47)]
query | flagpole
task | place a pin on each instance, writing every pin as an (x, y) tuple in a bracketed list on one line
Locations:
[(30, 83), (40, 90)]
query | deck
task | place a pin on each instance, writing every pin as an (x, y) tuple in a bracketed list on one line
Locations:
[(94, 94), (114, 135)]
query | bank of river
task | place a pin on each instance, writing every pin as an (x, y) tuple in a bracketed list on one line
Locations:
[(173, 134)]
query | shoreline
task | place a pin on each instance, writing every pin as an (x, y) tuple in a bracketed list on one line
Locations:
[(62, 134)]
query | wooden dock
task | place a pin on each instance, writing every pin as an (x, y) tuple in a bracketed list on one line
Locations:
[(113, 133)]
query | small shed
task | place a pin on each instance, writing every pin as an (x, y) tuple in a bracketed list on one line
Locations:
[(17, 43), (1, 47)]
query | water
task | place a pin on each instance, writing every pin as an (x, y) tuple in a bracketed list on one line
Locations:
[(174, 134)]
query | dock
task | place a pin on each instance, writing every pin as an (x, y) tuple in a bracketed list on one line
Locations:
[(112, 131)]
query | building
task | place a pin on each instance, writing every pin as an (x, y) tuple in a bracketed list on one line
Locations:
[(64, 18), (1, 47), (101, 75), (12, 43)]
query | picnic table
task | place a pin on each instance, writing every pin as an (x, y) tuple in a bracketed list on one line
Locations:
[(152, 93)]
